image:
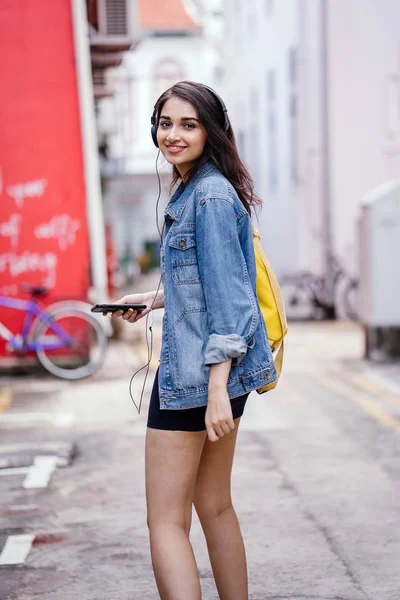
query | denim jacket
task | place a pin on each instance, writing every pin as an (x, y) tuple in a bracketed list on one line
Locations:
[(211, 308)]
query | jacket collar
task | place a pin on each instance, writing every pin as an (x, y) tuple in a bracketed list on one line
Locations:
[(178, 201)]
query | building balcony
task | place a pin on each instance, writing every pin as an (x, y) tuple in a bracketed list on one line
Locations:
[(105, 60), (101, 85)]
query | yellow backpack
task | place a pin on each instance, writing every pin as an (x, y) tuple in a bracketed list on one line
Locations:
[(271, 305)]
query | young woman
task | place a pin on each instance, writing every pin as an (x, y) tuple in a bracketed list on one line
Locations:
[(214, 344)]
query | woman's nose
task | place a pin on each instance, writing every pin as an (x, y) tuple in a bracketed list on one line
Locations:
[(173, 134)]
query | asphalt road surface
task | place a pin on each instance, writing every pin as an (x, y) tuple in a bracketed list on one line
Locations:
[(316, 480)]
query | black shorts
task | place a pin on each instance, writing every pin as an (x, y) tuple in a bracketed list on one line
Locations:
[(188, 419)]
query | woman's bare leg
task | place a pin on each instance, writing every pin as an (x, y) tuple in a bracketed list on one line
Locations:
[(172, 461), (213, 503)]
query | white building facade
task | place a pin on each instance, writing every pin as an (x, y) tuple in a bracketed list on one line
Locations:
[(363, 118), (313, 161), (260, 90)]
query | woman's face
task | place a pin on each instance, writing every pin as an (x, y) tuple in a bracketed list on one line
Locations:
[(180, 135)]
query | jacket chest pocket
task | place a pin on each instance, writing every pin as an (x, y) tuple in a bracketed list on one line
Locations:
[(185, 268)]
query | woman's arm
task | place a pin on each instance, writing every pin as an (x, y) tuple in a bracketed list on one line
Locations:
[(150, 299), (159, 299), (231, 306), (219, 420)]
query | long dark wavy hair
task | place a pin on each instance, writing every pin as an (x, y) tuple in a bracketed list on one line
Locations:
[(220, 146)]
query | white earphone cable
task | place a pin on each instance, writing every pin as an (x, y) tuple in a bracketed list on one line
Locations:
[(149, 316)]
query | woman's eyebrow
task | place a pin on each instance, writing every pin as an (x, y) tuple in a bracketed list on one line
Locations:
[(182, 119)]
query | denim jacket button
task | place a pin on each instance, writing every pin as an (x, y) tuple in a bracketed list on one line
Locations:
[(182, 242)]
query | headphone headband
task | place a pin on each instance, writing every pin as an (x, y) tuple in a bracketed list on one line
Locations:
[(222, 103), (213, 92)]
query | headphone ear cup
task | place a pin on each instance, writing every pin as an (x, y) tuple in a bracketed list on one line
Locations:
[(154, 135)]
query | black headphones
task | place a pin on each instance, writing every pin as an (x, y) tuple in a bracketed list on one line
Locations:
[(154, 124)]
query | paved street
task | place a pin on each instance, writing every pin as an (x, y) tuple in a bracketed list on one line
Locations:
[(316, 479)]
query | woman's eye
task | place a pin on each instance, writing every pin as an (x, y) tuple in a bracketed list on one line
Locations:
[(165, 124)]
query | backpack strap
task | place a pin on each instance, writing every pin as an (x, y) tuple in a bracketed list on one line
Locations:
[(274, 285)]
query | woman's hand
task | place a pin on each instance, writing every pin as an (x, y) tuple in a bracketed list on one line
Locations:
[(132, 316), (219, 420)]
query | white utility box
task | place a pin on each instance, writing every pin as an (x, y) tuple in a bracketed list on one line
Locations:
[(380, 256)]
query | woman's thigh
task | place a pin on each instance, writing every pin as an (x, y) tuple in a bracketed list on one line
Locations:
[(212, 491), (172, 462)]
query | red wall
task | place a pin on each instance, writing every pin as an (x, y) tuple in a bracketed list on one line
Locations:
[(43, 228)]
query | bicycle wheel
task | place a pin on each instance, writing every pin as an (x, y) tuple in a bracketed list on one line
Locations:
[(72, 344), (298, 301), (351, 299)]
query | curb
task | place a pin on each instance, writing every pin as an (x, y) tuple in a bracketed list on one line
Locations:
[(15, 455)]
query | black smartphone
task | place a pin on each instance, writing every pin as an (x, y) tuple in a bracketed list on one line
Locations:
[(110, 308)]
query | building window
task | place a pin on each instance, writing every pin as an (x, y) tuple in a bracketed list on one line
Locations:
[(254, 152), (292, 77), (292, 66), (254, 135), (271, 86), (254, 103), (293, 107), (166, 73), (269, 6), (272, 132), (241, 143), (293, 137), (272, 151)]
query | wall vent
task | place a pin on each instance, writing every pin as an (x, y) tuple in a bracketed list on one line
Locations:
[(116, 17), (117, 25)]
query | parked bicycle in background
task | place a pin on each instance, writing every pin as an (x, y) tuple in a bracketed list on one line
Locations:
[(306, 295), (68, 340)]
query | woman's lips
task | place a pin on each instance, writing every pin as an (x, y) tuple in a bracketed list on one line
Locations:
[(175, 149)]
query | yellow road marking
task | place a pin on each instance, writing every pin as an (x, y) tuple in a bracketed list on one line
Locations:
[(363, 401), (374, 388), (5, 398)]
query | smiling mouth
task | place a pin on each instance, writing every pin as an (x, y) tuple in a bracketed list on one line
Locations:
[(174, 148)]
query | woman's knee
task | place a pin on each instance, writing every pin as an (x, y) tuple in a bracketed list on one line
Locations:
[(182, 519), (210, 506)]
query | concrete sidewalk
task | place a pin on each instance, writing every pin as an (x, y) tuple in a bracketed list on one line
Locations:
[(316, 482)]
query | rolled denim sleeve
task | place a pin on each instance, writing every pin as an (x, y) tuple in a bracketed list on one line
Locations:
[(222, 347), (231, 307)]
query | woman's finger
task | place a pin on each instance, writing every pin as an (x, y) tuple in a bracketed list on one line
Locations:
[(225, 427), (116, 314), (128, 314), (140, 315), (136, 316), (212, 436), (218, 430)]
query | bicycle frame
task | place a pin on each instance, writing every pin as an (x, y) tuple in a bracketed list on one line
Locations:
[(20, 341)]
